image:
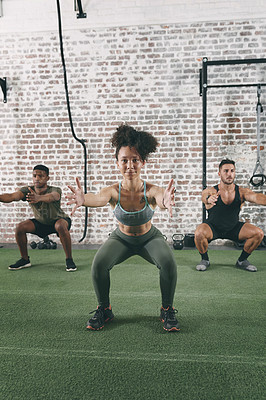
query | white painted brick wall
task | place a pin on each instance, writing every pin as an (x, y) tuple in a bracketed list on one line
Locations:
[(40, 15), (146, 75)]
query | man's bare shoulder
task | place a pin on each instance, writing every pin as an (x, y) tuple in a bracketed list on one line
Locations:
[(246, 194)]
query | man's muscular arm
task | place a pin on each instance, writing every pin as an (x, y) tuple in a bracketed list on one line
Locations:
[(252, 197), (10, 197)]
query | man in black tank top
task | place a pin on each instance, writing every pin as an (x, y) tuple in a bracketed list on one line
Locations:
[(223, 203)]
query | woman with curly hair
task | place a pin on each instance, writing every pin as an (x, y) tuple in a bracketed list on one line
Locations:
[(133, 201)]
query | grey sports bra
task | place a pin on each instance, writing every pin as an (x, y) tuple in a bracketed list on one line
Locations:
[(133, 218)]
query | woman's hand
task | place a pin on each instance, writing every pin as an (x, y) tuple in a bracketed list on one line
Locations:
[(168, 200), (77, 197)]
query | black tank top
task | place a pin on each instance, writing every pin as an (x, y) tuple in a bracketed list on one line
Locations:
[(222, 216)]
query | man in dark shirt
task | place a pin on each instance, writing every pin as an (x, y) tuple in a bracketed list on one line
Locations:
[(223, 203), (49, 217)]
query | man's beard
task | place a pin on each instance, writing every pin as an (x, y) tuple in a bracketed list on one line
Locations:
[(227, 183)]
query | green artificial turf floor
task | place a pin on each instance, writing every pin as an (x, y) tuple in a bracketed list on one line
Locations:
[(46, 352)]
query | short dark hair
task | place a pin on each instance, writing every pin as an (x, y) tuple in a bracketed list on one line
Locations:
[(143, 142), (42, 168), (226, 161)]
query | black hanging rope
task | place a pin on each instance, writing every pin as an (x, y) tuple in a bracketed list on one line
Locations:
[(258, 178), (81, 141)]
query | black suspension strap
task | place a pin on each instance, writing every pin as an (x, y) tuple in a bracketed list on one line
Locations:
[(258, 178), (81, 141)]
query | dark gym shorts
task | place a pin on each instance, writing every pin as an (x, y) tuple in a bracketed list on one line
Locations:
[(231, 235), (43, 230)]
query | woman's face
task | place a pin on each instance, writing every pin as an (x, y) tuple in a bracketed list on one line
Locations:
[(129, 162)]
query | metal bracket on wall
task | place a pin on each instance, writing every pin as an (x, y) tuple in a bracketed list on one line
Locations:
[(3, 86), (78, 7)]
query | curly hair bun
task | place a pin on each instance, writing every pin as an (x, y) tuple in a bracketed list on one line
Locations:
[(143, 142)]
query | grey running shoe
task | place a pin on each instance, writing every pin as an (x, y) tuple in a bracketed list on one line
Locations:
[(70, 265), (170, 323), (22, 263), (101, 316), (246, 265), (203, 265)]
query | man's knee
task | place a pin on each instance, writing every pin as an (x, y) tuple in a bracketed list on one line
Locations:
[(252, 232), (25, 227), (201, 233), (61, 226), (260, 234), (20, 228)]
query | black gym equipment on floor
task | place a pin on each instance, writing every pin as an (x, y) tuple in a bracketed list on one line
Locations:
[(46, 243), (180, 241), (204, 86)]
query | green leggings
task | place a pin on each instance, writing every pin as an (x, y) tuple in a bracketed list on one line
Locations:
[(119, 247)]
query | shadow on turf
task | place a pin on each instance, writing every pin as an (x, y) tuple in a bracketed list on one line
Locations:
[(152, 323), (219, 266), (48, 265)]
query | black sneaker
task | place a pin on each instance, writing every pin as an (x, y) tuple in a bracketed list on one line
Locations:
[(70, 265), (101, 316), (22, 263), (246, 265), (170, 323)]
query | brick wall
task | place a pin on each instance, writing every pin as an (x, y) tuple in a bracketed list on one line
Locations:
[(147, 76)]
